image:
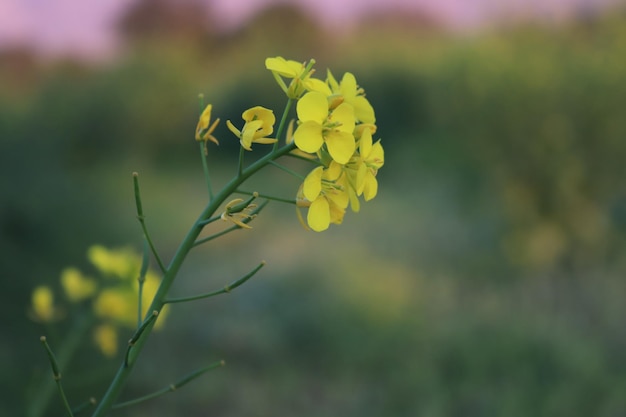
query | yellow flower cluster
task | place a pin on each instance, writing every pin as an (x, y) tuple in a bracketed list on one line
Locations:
[(112, 299), (335, 128)]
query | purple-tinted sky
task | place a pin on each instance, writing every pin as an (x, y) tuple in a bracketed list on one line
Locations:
[(84, 26)]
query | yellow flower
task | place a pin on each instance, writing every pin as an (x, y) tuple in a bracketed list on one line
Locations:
[(371, 158), (324, 193), (42, 301), (259, 124), (300, 75), (76, 286), (319, 126), (237, 212), (118, 304), (351, 93), (105, 337), (122, 263), (203, 130)]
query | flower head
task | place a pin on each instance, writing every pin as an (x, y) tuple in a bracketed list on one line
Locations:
[(77, 287), (259, 124), (42, 305), (325, 195), (347, 91), (299, 73), (204, 131), (240, 212), (319, 125)]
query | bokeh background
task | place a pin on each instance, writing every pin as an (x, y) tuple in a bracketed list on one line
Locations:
[(486, 279)]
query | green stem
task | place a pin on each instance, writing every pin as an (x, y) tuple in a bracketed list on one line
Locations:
[(287, 170), (205, 168), (142, 220), (240, 162), (268, 197), (225, 290), (281, 125), (232, 228), (71, 343), (56, 372), (171, 272), (172, 387), (145, 262)]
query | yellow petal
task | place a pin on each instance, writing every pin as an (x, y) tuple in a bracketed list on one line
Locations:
[(308, 137), (76, 286), (313, 184), (365, 143), (332, 82), (348, 86), (312, 106), (105, 336), (233, 129), (334, 171), (363, 110), (318, 216), (370, 188), (314, 84), (377, 156), (43, 303), (341, 146), (280, 65), (344, 116)]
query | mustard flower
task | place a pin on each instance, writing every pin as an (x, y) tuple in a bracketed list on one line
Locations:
[(319, 126), (371, 158), (76, 286), (300, 75), (349, 92), (324, 193), (42, 305), (122, 263), (259, 124), (204, 131), (237, 212), (105, 337)]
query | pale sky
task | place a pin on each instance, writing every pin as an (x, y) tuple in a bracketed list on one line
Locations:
[(84, 26)]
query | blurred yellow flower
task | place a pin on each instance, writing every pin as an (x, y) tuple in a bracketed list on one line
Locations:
[(122, 263), (203, 130), (259, 124), (42, 304), (76, 286), (117, 304), (105, 337)]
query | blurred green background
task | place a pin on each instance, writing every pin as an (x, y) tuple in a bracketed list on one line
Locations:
[(486, 279)]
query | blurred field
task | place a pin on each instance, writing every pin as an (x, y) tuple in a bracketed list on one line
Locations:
[(486, 279)]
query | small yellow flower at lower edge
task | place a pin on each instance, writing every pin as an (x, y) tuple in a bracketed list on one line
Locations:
[(259, 124), (105, 337), (204, 131), (42, 305)]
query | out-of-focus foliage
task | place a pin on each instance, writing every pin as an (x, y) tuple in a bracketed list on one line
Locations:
[(492, 276)]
